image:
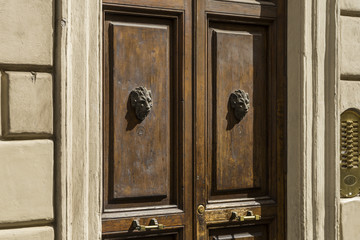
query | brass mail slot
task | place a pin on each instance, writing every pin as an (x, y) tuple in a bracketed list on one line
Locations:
[(349, 153)]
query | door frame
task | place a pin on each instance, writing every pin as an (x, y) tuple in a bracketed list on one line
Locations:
[(313, 127), (313, 192)]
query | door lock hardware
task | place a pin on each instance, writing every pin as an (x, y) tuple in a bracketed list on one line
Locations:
[(152, 225), (248, 217), (349, 153), (201, 209)]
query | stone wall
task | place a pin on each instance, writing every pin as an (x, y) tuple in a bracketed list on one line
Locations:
[(26, 136), (350, 97)]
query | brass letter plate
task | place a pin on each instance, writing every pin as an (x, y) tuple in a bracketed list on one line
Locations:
[(349, 154)]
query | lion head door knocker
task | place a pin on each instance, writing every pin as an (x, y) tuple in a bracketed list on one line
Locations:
[(141, 101), (240, 102)]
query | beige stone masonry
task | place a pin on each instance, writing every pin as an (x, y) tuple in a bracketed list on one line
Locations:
[(35, 233), (350, 46), (352, 5), (349, 95), (26, 177), (350, 224), (27, 103), (26, 33)]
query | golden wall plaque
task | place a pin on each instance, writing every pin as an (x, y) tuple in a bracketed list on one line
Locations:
[(349, 154)]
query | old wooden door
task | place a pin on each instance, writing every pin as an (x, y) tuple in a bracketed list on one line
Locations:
[(194, 119)]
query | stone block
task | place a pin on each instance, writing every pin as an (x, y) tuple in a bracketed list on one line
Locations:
[(28, 103), (26, 177), (349, 218), (33, 233), (350, 5), (350, 46), (26, 34), (349, 95)]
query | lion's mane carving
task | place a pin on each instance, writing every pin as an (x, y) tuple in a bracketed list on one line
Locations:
[(240, 102), (141, 101)]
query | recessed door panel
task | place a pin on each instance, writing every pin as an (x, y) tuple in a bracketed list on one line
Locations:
[(150, 3), (239, 109), (240, 233), (144, 124), (142, 151), (144, 238), (142, 113), (166, 236)]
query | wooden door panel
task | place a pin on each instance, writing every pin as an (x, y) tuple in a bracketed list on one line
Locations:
[(245, 1), (240, 236), (146, 133), (141, 158), (142, 149), (244, 8), (240, 45), (113, 225), (255, 2), (240, 233), (168, 235), (174, 4), (152, 238), (239, 147)]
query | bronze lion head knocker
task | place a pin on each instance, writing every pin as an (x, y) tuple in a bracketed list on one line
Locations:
[(240, 102), (141, 101)]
